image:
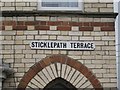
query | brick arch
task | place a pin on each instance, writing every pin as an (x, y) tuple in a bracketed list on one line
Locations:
[(60, 59)]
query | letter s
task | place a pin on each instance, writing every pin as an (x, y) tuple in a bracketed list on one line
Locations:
[(32, 45)]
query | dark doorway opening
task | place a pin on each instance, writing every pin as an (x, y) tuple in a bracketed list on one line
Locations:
[(59, 84)]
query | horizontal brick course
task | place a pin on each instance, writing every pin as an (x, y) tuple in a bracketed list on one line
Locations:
[(62, 26)]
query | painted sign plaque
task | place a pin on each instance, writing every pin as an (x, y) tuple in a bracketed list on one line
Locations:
[(64, 45)]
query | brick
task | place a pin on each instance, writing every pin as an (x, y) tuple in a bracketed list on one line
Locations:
[(74, 76), (86, 38), (53, 32), (97, 29), (91, 9), (40, 80), (33, 4), (43, 77), (68, 69), (30, 32), (75, 28), (54, 23), (100, 5), (64, 28), (64, 18), (36, 84), (20, 32), (20, 27), (53, 27), (22, 18), (20, 4), (64, 33), (20, 22), (8, 9), (63, 38), (106, 9), (19, 8), (70, 74), (43, 23), (42, 18), (86, 29), (54, 70), (75, 24), (75, 33), (8, 28), (9, 23), (42, 37), (42, 28), (47, 75), (29, 8), (32, 23), (107, 29), (30, 27)]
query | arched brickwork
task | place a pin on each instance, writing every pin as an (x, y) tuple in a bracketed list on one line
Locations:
[(59, 59)]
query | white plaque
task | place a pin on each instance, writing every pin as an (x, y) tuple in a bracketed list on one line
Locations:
[(64, 45)]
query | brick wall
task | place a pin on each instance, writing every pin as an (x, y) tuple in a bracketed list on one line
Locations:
[(26, 5), (18, 32)]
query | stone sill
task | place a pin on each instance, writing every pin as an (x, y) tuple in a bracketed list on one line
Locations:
[(58, 13)]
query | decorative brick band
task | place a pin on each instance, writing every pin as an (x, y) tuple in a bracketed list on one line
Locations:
[(36, 68), (60, 25)]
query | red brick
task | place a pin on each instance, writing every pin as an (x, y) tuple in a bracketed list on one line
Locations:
[(9, 23), (54, 23), (32, 23), (97, 24), (107, 29), (86, 28), (111, 24), (86, 24), (42, 28), (20, 27), (64, 28), (42, 23), (20, 22), (65, 23), (3, 28), (47, 61), (75, 24)]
